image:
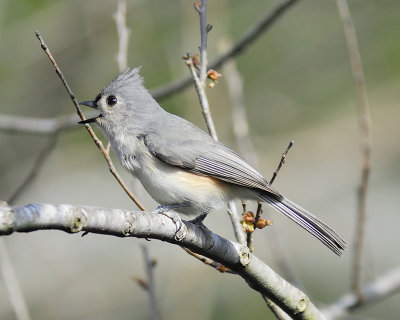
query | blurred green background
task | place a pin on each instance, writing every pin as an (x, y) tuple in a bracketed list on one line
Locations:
[(297, 85)]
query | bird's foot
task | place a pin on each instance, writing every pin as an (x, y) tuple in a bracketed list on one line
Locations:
[(167, 210)]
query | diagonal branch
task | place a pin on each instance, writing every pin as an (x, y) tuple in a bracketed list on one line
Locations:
[(97, 141), (8, 123), (139, 224), (377, 290), (250, 36), (36, 167)]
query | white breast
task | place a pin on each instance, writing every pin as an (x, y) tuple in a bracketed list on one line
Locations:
[(169, 184)]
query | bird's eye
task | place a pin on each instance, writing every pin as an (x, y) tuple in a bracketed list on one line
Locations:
[(111, 100)]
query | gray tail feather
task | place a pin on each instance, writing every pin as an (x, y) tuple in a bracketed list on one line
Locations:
[(307, 221)]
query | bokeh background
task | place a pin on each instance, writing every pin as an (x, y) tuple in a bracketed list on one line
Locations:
[(297, 85)]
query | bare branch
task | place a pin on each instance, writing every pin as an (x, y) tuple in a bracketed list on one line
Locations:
[(282, 162), (257, 217), (241, 132), (252, 34), (205, 108), (96, 140), (16, 124), (382, 287), (38, 164), (123, 35), (278, 312), (366, 142), (237, 226), (149, 266), (203, 41), (12, 285), (208, 261), (199, 84), (123, 223)]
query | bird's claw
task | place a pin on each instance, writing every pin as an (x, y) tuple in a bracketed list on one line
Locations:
[(181, 230)]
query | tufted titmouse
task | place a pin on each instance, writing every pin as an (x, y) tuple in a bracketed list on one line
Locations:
[(179, 164)]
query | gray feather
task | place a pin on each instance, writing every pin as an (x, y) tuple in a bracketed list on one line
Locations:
[(137, 118), (194, 150), (309, 222)]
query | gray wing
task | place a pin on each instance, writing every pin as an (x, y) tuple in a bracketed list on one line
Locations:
[(191, 148)]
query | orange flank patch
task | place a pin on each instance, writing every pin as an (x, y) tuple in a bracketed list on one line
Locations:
[(195, 181)]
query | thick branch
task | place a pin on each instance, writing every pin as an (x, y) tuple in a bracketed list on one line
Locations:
[(123, 223)]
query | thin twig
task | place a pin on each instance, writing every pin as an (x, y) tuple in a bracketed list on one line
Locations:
[(240, 128), (7, 269), (241, 132), (200, 89), (12, 284), (149, 266), (256, 219), (123, 35), (237, 226), (96, 140), (366, 143), (209, 262), (205, 107), (199, 86), (38, 164), (252, 34), (278, 312), (282, 162), (203, 42)]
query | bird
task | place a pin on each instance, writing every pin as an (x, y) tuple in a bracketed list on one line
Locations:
[(180, 165)]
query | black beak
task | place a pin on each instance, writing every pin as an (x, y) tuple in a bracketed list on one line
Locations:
[(91, 104), (88, 120)]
